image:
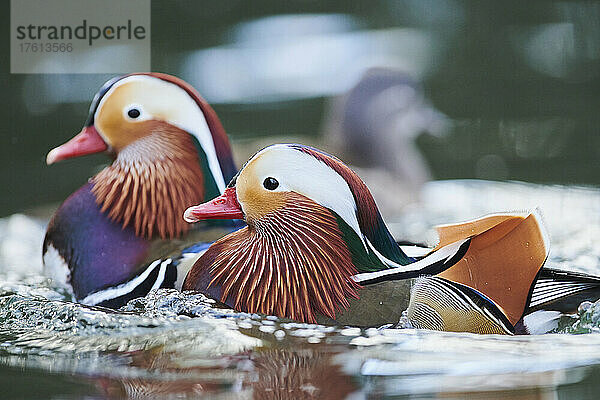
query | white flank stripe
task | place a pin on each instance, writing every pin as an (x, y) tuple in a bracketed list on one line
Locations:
[(381, 257), (119, 290), (445, 253), (415, 251), (161, 274), (291, 168)]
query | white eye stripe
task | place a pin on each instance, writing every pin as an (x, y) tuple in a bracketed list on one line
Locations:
[(183, 110), (304, 174)]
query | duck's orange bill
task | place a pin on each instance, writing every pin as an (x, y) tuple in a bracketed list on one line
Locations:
[(88, 141), (225, 206)]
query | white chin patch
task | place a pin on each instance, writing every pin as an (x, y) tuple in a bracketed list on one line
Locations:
[(56, 268)]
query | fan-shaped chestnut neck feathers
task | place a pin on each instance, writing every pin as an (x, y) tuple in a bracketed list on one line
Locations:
[(305, 238), (292, 262), (152, 181), (331, 184)]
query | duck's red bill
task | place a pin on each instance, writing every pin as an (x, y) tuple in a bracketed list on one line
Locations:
[(225, 206), (88, 141)]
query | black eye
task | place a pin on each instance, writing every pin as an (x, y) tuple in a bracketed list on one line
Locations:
[(133, 113), (270, 183)]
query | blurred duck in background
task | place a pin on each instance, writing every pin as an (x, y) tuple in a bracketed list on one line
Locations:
[(121, 234), (374, 127)]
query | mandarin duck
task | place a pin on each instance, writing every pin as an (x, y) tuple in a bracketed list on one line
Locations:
[(169, 151), (316, 249)]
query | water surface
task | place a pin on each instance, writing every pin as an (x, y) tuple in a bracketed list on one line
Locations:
[(174, 345)]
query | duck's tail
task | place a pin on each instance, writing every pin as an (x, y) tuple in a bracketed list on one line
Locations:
[(555, 293), (487, 288), (563, 291)]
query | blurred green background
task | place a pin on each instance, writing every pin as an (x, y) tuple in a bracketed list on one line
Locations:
[(519, 79)]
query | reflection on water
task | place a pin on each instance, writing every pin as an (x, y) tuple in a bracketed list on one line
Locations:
[(174, 345), (155, 353)]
